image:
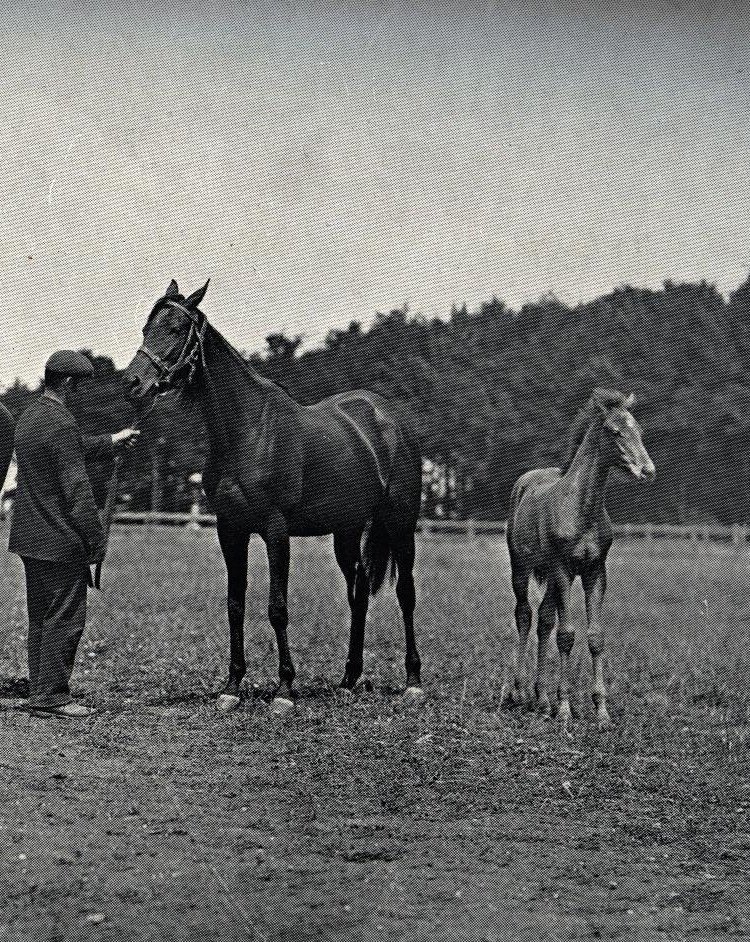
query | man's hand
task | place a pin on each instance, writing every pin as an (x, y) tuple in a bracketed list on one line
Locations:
[(127, 437)]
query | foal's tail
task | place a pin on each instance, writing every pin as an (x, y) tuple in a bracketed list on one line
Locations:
[(377, 553)]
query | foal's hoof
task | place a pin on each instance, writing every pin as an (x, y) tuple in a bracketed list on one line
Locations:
[(281, 706), (226, 702), (414, 694)]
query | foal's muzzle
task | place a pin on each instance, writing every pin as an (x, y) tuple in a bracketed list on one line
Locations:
[(646, 473)]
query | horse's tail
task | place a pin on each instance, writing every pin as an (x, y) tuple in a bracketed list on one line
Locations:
[(377, 553)]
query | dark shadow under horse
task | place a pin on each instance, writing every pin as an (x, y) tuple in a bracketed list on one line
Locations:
[(349, 466)]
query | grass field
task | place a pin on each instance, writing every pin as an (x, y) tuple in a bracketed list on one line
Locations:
[(363, 816)]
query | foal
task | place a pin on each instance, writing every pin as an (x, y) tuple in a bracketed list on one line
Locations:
[(558, 529)]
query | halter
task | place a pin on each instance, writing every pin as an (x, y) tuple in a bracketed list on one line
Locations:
[(192, 349)]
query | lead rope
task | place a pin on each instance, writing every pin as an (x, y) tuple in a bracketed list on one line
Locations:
[(109, 504)]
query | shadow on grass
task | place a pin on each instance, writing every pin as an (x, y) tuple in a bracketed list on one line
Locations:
[(14, 688)]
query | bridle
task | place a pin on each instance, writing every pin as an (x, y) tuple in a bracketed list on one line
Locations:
[(190, 355), (192, 350)]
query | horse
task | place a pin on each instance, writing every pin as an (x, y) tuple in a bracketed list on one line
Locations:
[(349, 466), (7, 429), (558, 529)]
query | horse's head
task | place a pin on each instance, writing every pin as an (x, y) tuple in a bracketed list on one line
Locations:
[(621, 436), (171, 348)]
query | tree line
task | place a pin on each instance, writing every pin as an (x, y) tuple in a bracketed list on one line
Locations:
[(493, 392)]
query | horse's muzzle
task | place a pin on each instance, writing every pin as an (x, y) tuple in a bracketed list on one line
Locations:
[(647, 473), (137, 389)]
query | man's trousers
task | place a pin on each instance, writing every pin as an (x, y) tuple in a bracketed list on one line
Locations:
[(56, 601)]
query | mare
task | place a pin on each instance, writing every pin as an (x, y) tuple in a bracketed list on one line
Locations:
[(349, 466), (7, 428), (558, 529)]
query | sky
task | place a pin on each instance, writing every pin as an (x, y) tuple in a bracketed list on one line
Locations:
[(325, 160)]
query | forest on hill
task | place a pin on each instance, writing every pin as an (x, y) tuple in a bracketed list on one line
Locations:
[(493, 392)]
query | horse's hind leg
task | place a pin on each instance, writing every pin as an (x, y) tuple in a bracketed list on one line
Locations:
[(347, 550), (566, 635), (594, 587), (545, 625), (404, 554), (234, 545), (515, 681)]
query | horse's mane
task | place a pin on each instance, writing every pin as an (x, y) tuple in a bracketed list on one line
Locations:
[(587, 416)]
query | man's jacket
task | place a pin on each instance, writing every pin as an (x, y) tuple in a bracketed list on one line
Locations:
[(55, 515)]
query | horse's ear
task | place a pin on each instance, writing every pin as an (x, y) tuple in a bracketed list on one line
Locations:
[(196, 297), (629, 401), (599, 398), (172, 291)]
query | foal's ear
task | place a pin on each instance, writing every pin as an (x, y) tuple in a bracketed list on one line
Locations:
[(172, 291), (629, 401), (194, 299)]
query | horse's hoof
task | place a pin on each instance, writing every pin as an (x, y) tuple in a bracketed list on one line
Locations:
[(414, 694), (604, 722), (226, 702), (281, 705)]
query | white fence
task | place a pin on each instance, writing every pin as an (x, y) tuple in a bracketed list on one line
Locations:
[(470, 530)]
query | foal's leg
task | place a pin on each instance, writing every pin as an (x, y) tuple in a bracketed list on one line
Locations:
[(594, 586), (515, 680), (566, 635), (545, 626), (346, 548), (404, 554), (276, 537), (234, 548)]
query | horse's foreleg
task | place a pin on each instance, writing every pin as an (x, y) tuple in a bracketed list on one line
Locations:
[(545, 626), (234, 548), (276, 537), (594, 586), (565, 639)]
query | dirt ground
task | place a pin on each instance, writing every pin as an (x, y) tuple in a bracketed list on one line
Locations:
[(363, 816)]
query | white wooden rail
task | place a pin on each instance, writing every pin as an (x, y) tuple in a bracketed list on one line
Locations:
[(476, 529)]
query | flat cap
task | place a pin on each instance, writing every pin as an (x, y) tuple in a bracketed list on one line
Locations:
[(69, 363)]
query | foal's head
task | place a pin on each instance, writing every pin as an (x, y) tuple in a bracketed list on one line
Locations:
[(621, 439), (172, 339), (620, 436)]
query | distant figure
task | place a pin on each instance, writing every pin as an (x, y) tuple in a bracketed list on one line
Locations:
[(558, 529), (56, 531), (6, 443)]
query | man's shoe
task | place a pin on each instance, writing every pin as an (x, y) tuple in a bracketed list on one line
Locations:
[(68, 711)]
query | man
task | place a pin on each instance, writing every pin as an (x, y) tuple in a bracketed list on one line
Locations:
[(56, 531)]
